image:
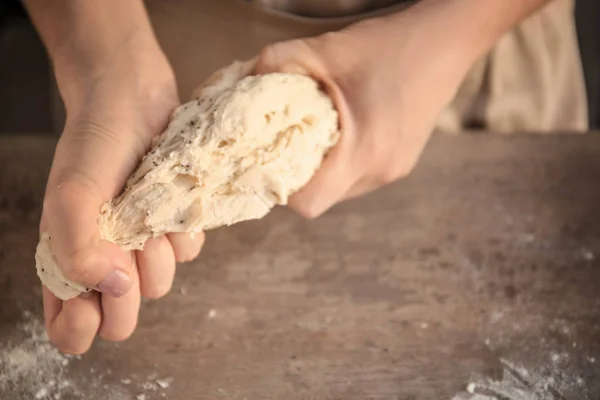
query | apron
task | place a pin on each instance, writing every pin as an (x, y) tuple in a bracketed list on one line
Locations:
[(532, 80)]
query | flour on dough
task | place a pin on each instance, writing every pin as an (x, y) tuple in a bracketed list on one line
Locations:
[(243, 146)]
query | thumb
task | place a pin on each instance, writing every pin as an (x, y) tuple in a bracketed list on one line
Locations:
[(88, 170), (70, 213)]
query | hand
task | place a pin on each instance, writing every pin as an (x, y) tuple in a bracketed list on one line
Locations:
[(389, 79), (113, 112)]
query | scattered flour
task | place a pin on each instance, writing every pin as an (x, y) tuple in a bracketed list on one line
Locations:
[(164, 383), (33, 369), (518, 383), (42, 393), (149, 386), (588, 255)]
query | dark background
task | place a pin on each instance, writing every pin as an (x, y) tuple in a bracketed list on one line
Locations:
[(25, 75)]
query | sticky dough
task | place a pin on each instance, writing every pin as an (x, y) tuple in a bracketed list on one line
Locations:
[(241, 147)]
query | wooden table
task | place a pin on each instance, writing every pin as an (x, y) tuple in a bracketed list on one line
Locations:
[(484, 262)]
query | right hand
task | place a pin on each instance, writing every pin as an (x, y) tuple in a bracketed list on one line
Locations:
[(114, 109), (387, 106)]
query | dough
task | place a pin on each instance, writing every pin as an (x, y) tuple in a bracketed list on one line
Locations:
[(243, 146)]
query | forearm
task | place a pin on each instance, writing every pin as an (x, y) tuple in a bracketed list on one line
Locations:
[(457, 31), (81, 34), (474, 26), (90, 40)]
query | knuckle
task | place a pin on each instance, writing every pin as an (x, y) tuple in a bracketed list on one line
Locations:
[(388, 175), (60, 196), (267, 56), (75, 266), (329, 39), (393, 170), (272, 54), (72, 188), (328, 47), (266, 53), (309, 209)]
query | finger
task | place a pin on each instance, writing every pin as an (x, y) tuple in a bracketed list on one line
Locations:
[(73, 329), (186, 246), (52, 306), (330, 183), (156, 267), (120, 315), (84, 176), (72, 211)]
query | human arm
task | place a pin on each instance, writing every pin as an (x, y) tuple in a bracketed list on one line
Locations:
[(118, 89), (390, 77)]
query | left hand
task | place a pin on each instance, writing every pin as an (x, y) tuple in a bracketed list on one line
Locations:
[(388, 89), (114, 110)]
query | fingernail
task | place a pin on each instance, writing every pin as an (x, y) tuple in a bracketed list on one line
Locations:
[(116, 284)]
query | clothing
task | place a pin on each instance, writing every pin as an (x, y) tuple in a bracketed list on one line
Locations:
[(532, 80)]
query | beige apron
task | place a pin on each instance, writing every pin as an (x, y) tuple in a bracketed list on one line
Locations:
[(532, 80)]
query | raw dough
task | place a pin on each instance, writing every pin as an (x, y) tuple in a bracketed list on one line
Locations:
[(243, 146)]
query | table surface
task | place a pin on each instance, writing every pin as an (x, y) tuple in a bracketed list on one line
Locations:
[(483, 267)]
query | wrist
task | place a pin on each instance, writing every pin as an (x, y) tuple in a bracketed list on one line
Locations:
[(134, 67), (429, 29), (93, 41), (466, 28), (417, 40), (458, 32)]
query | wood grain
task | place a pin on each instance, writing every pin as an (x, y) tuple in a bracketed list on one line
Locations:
[(489, 250)]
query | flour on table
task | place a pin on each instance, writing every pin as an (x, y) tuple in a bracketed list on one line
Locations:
[(34, 369), (164, 383), (243, 146), (519, 383)]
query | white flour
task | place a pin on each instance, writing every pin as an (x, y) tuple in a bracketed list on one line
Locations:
[(546, 369), (518, 383), (33, 369)]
